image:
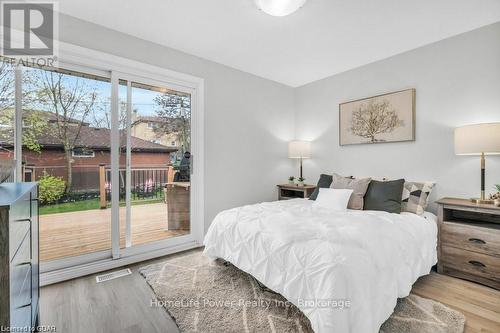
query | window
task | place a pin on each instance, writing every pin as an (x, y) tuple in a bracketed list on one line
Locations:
[(173, 143), (82, 152), (28, 175), (151, 124)]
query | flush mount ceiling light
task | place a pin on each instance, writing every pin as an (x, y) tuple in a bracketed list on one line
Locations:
[(279, 7)]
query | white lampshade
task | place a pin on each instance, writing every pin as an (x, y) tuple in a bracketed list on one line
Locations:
[(477, 139), (299, 149), (279, 7)]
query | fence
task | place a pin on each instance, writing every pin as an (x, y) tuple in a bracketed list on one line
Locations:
[(85, 178), (145, 184), (7, 167)]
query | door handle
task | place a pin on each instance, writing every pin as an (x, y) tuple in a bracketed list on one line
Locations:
[(477, 241), (191, 162)]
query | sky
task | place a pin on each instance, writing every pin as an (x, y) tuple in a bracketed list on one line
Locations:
[(142, 99)]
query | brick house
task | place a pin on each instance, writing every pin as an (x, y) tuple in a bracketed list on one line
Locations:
[(92, 148)]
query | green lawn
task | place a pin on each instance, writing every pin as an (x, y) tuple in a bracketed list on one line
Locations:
[(86, 205)]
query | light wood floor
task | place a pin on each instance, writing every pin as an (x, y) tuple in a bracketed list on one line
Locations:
[(123, 305), (71, 234), (479, 304)]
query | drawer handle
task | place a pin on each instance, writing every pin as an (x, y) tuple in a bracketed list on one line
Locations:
[(476, 263), (23, 263), (22, 220), (477, 241)]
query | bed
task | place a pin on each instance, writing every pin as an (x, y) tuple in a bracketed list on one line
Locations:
[(343, 270)]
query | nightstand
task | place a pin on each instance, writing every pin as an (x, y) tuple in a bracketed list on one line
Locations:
[(469, 241), (287, 191)]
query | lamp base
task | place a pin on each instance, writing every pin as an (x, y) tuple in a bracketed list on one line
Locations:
[(479, 201)]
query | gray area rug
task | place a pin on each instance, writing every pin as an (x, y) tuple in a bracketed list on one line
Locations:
[(214, 296)]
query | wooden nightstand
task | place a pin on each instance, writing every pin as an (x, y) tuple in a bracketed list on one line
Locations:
[(287, 191), (469, 241)]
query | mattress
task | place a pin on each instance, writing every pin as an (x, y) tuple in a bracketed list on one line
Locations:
[(343, 270)]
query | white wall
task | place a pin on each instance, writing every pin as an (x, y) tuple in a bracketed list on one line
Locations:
[(457, 82), (248, 120)]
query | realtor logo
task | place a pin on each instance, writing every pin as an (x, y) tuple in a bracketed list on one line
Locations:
[(29, 31)]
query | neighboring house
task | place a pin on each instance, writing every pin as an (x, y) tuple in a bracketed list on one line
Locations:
[(92, 149), (146, 128)]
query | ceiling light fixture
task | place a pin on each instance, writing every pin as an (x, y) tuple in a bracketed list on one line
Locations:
[(279, 7)]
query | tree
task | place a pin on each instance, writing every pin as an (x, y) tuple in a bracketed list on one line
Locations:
[(71, 100), (374, 118), (34, 123), (100, 117), (6, 85), (175, 111)]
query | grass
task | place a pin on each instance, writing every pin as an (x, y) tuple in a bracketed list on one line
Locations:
[(78, 206)]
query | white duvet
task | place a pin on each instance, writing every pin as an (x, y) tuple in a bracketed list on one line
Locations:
[(319, 259)]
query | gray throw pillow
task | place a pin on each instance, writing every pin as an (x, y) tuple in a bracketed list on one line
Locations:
[(358, 186), (416, 197), (385, 196), (323, 182)]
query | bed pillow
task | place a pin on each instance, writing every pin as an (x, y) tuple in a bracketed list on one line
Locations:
[(385, 196), (416, 197), (359, 187), (323, 182), (333, 199)]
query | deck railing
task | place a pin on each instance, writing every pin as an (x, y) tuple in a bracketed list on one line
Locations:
[(145, 183)]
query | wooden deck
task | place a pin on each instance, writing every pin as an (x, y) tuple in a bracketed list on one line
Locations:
[(71, 234)]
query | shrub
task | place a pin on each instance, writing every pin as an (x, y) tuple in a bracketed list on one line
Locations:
[(51, 189)]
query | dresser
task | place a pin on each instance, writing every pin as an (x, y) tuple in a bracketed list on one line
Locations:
[(469, 241), (19, 256)]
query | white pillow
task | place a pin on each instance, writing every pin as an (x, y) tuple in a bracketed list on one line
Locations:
[(333, 199)]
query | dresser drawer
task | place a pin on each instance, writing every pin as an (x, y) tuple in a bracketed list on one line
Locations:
[(21, 318), (471, 237), (17, 232), (471, 265), (21, 209), (20, 285), (23, 253)]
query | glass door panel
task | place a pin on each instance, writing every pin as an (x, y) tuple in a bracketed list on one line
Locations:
[(156, 160), (66, 148)]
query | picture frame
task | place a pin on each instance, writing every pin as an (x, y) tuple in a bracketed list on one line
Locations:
[(383, 118)]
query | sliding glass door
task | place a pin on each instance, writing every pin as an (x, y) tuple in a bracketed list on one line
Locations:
[(52, 123), (154, 163), (112, 153)]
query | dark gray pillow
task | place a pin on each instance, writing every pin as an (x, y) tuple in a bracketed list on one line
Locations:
[(323, 182), (385, 196)]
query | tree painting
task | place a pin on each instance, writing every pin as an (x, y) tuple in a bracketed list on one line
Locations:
[(373, 118)]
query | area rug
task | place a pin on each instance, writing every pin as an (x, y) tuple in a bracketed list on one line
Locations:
[(214, 296)]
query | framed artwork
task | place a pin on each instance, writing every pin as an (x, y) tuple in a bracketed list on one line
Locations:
[(383, 118)]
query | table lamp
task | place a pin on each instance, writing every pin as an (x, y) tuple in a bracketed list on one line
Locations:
[(300, 150), (478, 139)]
